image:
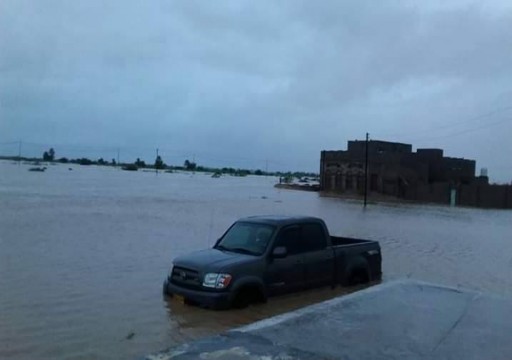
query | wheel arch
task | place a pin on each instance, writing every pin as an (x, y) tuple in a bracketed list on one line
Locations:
[(358, 266), (249, 284)]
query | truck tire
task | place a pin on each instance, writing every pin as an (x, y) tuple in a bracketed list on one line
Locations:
[(358, 272), (247, 295), (358, 276)]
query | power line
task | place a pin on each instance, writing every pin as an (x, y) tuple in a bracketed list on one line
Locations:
[(9, 143), (464, 131), (453, 124), (366, 170), (167, 151), (170, 152)]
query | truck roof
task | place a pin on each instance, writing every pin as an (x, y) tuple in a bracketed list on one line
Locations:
[(280, 220)]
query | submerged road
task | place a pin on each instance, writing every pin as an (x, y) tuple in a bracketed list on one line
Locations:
[(83, 254), (402, 319)]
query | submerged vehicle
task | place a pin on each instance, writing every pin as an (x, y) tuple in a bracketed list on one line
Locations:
[(262, 256)]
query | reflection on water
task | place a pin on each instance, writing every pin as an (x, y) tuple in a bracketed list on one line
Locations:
[(83, 254), (190, 322)]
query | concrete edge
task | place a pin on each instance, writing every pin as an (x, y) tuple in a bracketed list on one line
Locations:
[(278, 319), (250, 342)]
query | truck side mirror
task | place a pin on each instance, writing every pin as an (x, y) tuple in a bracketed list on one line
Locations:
[(280, 252)]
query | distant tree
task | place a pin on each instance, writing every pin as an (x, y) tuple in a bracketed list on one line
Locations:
[(242, 172), (49, 155), (130, 167), (287, 178), (189, 165), (85, 161), (113, 162), (258, 172), (101, 161), (63, 160), (140, 163), (159, 164)]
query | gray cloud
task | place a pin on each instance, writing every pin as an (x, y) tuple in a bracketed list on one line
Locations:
[(240, 82)]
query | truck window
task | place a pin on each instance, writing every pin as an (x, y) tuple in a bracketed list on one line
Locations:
[(248, 238), (313, 236), (291, 239)]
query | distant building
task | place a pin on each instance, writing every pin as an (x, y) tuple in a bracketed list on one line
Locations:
[(395, 170)]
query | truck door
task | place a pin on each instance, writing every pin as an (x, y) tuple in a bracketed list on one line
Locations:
[(318, 257), (286, 274)]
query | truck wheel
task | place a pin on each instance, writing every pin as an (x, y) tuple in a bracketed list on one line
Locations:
[(358, 276), (241, 300), (247, 296)]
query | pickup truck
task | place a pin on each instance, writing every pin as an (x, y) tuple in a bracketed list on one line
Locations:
[(262, 256)]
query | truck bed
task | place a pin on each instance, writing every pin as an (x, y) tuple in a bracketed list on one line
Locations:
[(351, 254), (341, 241)]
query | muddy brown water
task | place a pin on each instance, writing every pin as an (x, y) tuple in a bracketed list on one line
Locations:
[(83, 254)]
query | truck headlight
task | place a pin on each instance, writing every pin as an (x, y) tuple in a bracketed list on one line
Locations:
[(216, 281)]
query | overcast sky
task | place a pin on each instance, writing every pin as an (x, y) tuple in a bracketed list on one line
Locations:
[(237, 83)]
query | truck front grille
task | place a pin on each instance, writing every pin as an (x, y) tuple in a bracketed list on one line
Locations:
[(185, 277)]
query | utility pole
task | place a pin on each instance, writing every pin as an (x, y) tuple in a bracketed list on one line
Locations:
[(266, 167), (19, 154), (366, 171), (156, 167)]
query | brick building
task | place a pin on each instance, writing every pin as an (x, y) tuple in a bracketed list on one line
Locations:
[(395, 170)]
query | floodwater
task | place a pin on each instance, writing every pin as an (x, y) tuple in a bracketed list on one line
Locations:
[(83, 254)]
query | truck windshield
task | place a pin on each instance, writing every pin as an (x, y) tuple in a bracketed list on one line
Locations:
[(246, 238)]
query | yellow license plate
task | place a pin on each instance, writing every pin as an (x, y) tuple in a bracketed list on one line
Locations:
[(179, 298)]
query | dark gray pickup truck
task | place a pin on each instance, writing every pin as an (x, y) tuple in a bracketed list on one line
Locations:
[(263, 256)]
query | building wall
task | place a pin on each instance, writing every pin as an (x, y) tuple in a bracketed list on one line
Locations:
[(457, 170), (432, 193), (358, 147), (338, 172), (485, 195), (425, 175)]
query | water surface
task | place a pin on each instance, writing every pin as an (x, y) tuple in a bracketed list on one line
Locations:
[(83, 253)]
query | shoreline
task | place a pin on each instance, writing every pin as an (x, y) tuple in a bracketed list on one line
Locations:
[(373, 198)]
